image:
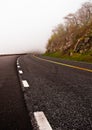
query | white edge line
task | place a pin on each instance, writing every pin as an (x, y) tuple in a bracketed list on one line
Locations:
[(25, 83), (41, 120)]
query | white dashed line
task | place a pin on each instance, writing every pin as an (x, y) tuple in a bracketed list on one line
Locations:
[(17, 63), (25, 83), (20, 71), (42, 121), (18, 66)]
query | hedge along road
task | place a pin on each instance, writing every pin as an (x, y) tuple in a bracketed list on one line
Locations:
[(13, 112), (63, 93)]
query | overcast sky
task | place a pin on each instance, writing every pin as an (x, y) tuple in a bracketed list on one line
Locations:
[(26, 25)]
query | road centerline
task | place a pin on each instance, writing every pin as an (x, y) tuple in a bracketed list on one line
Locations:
[(18, 66), (67, 65), (20, 71), (25, 83), (42, 121)]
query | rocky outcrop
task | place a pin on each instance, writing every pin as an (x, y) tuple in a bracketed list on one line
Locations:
[(84, 44)]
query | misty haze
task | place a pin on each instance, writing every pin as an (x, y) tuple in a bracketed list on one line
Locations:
[(26, 25)]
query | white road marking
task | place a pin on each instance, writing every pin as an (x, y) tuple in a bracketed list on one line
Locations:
[(18, 66), (20, 71), (17, 59), (42, 121), (25, 83), (17, 63)]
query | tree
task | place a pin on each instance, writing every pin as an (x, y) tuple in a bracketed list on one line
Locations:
[(76, 26)]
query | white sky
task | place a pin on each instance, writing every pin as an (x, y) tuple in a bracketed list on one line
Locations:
[(26, 25)]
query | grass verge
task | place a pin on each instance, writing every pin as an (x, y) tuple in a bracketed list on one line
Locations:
[(86, 57)]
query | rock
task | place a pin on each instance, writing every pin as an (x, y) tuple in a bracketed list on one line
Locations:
[(86, 39)]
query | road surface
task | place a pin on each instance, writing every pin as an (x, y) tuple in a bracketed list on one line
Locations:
[(63, 93), (13, 112)]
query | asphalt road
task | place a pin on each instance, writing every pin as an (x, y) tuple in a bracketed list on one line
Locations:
[(13, 112), (64, 94)]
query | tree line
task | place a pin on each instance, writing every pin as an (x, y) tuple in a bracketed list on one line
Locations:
[(76, 30)]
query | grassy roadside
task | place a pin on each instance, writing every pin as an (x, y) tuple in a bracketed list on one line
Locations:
[(86, 57)]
